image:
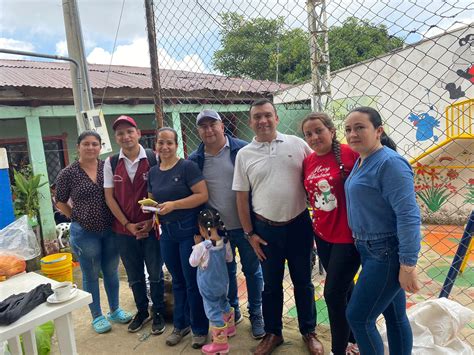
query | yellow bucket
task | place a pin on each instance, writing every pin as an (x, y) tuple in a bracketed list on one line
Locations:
[(57, 266)]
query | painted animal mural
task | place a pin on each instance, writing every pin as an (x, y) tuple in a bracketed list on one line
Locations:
[(461, 73), (425, 121)]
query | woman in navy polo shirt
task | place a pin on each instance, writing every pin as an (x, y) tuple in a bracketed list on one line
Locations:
[(178, 186)]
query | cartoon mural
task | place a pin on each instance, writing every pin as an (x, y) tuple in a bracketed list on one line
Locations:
[(470, 192), (461, 72), (339, 109), (434, 186), (425, 122)]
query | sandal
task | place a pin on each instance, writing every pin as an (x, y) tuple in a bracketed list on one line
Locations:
[(101, 325), (120, 316), (352, 349)]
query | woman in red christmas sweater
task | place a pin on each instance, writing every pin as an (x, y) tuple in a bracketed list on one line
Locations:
[(325, 171)]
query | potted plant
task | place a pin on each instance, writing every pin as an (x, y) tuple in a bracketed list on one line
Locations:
[(26, 195)]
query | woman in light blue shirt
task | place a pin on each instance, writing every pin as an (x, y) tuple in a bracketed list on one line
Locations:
[(385, 220)]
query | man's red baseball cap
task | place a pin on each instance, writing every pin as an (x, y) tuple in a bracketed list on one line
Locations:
[(124, 119)]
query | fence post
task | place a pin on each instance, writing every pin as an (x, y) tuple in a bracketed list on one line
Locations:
[(458, 258)]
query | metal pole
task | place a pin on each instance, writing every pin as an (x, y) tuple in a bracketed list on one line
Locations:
[(154, 66), (75, 46), (320, 70), (78, 81), (463, 247)]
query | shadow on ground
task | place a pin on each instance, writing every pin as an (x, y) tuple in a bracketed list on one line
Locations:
[(119, 341)]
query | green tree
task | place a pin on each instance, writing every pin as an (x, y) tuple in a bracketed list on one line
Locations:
[(260, 48), (247, 46), (357, 40)]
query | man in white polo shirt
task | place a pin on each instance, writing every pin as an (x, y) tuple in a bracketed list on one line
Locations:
[(269, 173)]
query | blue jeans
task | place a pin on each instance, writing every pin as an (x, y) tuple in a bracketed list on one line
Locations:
[(294, 243), (96, 252), (376, 292), (215, 307), (136, 253), (252, 271), (177, 242)]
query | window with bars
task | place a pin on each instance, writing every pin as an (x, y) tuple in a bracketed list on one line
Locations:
[(18, 156)]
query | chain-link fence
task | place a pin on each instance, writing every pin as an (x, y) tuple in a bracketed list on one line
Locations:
[(412, 60)]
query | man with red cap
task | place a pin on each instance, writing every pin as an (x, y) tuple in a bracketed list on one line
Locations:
[(125, 183)]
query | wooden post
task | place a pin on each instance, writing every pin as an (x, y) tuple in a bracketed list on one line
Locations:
[(154, 66)]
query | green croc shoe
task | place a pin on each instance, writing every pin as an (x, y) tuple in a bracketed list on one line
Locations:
[(119, 316), (101, 325)]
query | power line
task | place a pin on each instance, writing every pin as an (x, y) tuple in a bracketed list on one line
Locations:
[(112, 56)]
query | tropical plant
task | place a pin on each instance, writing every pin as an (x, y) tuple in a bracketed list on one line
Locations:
[(433, 188), (470, 193), (25, 192)]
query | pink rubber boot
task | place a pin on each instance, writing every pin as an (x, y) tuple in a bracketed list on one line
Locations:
[(229, 318), (220, 344)]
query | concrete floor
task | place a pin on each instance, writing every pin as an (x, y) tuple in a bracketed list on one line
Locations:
[(119, 341)]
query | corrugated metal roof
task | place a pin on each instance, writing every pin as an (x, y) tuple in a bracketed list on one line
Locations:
[(55, 75)]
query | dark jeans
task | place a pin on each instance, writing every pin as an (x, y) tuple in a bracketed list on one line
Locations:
[(177, 241), (252, 271), (294, 243), (136, 253), (376, 292), (341, 262)]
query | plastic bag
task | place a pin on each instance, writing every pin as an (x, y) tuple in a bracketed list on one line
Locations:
[(10, 265), (43, 335), (436, 326), (19, 239)]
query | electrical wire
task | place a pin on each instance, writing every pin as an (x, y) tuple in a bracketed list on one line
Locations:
[(112, 56)]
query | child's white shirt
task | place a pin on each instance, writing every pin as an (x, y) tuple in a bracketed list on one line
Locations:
[(200, 255)]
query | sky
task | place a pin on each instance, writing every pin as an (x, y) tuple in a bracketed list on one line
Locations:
[(188, 31)]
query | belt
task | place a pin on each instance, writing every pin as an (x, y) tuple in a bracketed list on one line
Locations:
[(273, 223)]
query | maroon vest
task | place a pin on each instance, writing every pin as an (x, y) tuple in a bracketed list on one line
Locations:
[(128, 193)]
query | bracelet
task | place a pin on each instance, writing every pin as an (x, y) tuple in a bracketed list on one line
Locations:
[(126, 224)]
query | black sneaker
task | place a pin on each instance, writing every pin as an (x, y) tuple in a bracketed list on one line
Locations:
[(158, 325), (138, 321)]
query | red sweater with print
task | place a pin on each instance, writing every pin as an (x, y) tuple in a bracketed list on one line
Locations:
[(325, 189), (128, 193)]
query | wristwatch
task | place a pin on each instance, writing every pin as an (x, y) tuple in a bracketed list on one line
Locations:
[(249, 234)]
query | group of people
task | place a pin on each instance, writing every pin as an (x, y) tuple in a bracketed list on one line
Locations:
[(254, 197)]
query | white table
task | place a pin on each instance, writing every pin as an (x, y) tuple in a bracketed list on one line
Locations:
[(61, 313)]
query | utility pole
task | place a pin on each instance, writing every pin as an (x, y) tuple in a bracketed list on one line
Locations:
[(319, 47), (154, 66), (75, 47)]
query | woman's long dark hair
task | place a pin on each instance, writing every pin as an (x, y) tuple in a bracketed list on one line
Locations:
[(376, 119)]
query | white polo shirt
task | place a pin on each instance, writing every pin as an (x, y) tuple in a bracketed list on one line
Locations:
[(273, 172), (130, 166)]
